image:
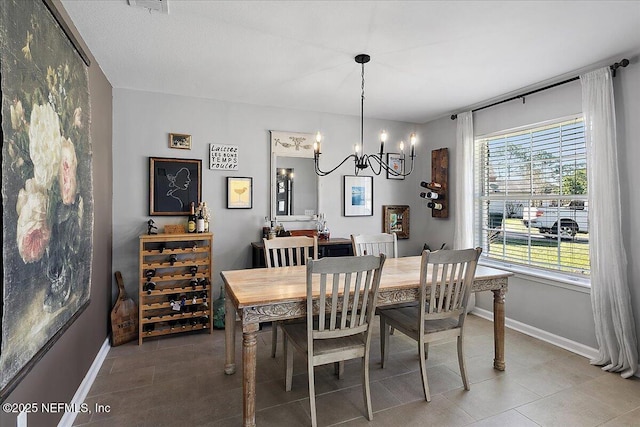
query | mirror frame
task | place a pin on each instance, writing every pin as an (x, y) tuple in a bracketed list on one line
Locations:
[(290, 144)]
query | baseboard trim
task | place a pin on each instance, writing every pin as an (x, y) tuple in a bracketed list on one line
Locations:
[(69, 417), (572, 346)]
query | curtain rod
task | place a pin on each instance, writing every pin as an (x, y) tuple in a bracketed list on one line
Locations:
[(613, 67)]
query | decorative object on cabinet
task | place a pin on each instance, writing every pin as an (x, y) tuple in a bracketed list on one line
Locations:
[(47, 187), (175, 284), (361, 160), (396, 164), (396, 220), (223, 157), (180, 140), (239, 192), (174, 229), (151, 228), (173, 185), (358, 195), (436, 190), (124, 316)]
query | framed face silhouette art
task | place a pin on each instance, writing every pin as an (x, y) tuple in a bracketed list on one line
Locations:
[(173, 185)]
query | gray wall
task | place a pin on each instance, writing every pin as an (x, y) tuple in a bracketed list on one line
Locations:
[(57, 376), (555, 308), (142, 122)]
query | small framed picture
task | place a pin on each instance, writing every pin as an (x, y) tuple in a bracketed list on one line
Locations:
[(239, 192), (358, 195), (180, 140), (396, 220), (396, 164)]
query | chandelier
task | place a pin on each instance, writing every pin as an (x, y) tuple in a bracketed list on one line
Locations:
[(375, 161)]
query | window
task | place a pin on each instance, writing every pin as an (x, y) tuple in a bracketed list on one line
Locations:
[(531, 197)]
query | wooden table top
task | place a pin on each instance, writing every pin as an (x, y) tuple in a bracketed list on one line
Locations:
[(260, 286)]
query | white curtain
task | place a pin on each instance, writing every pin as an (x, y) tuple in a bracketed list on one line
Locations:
[(463, 224), (610, 297)]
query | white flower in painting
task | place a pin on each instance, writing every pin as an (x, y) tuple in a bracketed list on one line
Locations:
[(44, 144), (67, 172), (33, 231), (77, 118), (17, 115)]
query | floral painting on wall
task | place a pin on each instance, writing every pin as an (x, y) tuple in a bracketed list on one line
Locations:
[(47, 192)]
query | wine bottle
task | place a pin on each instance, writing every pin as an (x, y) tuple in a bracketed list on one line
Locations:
[(173, 258), (200, 221), (431, 185), (435, 205), (430, 195), (191, 222), (207, 216)]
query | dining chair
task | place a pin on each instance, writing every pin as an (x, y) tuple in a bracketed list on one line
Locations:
[(342, 293), (446, 277), (283, 252), (374, 244)]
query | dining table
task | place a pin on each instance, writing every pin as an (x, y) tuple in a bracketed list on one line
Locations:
[(262, 295)]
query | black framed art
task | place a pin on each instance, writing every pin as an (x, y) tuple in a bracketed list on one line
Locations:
[(173, 185)]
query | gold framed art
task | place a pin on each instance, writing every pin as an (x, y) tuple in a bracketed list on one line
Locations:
[(180, 140), (396, 220)]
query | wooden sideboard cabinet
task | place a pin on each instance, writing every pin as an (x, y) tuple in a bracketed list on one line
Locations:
[(326, 248), (175, 284)]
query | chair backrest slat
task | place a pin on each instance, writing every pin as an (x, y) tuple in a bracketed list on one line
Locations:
[(289, 251), (375, 244), (446, 278), (348, 289)]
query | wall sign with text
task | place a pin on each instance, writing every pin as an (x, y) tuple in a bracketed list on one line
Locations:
[(223, 157)]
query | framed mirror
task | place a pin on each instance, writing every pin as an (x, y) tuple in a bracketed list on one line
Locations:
[(294, 184)]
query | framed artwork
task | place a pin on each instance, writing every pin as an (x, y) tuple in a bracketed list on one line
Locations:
[(239, 192), (173, 185), (292, 144), (358, 195), (47, 188), (180, 140), (395, 162), (395, 219)]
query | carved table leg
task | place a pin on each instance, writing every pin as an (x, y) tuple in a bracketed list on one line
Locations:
[(230, 337), (498, 328), (249, 344)]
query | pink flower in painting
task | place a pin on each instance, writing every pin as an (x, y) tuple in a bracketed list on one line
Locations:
[(33, 231), (44, 144), (67, 172)]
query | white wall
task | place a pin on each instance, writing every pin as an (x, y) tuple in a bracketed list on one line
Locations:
[(562, 310), (142, 122)]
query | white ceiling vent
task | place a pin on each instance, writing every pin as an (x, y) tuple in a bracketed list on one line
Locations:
[(155, 5)]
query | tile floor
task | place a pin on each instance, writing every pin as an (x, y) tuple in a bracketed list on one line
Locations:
[(179, 381)]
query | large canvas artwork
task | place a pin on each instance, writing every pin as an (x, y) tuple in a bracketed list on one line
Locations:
[(47, 202)]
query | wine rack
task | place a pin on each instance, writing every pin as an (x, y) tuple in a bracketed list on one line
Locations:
[(440, 174), (175, 284)]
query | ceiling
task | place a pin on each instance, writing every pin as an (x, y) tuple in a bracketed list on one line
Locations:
[(428, 58)]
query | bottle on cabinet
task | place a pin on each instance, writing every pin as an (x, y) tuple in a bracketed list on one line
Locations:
[(200, 220), (191, 221)]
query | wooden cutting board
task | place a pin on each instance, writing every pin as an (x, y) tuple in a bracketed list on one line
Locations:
[(124, 316)]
